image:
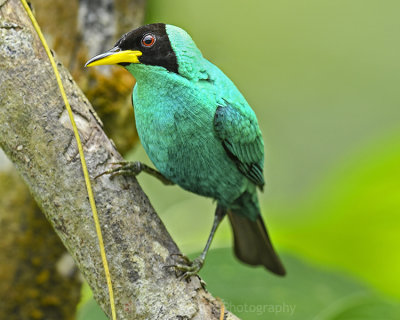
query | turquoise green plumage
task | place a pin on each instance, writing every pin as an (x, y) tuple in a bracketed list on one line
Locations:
[(198, 130)]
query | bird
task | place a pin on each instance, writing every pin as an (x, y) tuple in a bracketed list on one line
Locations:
[(199, 132)]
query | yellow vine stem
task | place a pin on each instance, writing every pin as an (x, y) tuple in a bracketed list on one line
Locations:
[(81, 155), (222, 310)]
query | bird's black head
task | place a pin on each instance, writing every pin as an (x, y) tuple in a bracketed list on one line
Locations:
[(148, 44)]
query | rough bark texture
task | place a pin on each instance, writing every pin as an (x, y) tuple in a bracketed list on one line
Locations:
[(37, 281), (36, 134), (79, 29)]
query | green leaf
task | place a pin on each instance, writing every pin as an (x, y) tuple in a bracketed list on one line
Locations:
[(354, 223), (91, 311), (88, 309), (369, 309), (307, 292)]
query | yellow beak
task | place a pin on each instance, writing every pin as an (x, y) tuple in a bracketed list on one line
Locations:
[(114, 56)]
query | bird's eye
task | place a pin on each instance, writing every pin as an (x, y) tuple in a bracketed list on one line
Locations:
[(148, 40)]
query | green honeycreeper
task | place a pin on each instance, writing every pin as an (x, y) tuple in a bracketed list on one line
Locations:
[(199, 132)]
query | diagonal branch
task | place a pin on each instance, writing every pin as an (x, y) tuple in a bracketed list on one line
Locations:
[(36, 134)]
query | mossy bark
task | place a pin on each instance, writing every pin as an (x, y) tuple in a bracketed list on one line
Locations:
[(36, 134)]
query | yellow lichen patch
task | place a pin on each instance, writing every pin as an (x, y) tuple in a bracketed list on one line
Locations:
[(42, 277), (36, 314), (32, 293), (50, 301), (36, 261)]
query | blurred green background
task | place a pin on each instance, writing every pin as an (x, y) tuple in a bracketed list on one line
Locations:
[(322, 77)]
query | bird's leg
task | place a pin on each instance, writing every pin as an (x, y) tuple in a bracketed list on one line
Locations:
[(126, 168), (192, 268)]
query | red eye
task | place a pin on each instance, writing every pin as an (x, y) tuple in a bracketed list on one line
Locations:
[(148, 40)]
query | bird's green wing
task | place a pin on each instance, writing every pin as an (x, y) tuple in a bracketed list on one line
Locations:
[(242, 140)]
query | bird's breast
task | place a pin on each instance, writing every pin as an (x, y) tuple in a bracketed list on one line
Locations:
[(173, 121), (176, 128)]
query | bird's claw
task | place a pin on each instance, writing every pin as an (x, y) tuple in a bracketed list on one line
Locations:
[(191, 268), (125, 168)]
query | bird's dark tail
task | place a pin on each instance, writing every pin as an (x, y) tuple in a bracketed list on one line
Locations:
[(252, 243)]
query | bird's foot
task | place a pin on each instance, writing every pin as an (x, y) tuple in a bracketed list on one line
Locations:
[(124, 168), (189, 268)]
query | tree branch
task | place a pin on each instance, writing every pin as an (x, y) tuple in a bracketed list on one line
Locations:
[(36, 134)]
